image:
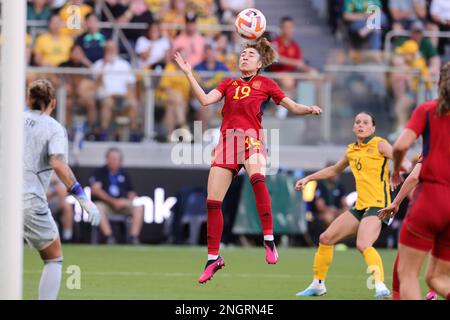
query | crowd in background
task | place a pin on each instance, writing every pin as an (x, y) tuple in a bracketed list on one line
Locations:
[(111, 100)]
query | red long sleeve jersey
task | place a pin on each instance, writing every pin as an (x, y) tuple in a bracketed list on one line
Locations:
[(245, 102), (436, 142)]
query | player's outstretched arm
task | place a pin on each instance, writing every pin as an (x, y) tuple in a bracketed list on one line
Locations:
[(409, 184), (65, 174), (204, 99), (300, 109), (326, 173)]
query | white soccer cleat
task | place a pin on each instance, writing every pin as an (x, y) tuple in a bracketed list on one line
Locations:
[(315, 289)]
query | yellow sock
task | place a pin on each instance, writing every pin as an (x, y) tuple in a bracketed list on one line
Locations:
[(322, 261), (374, 262)]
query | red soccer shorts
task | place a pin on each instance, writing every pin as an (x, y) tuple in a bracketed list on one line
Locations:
[(234, 149), (427, 225)]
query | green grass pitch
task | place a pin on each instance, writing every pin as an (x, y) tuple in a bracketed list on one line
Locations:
[(162, 272)]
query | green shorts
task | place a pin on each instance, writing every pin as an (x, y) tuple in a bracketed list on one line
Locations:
[(367, 212)]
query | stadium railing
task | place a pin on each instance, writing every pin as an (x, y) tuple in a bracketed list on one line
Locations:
[(342, 91)]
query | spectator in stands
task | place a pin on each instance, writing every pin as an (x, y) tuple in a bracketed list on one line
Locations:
[(405, 12), (190, 41), (80, 89), (92, 42), (405, 84), (329, 201), (357, 15), (231, 8), (113, 193), (440, 13), (38, 10), (210, 82), (158, 8), (152, 48), (199, 7), (67, 14), (290, 57), (137, 12), (116, 8), (52, 48), (176, 15), (226, 51), (56, 196), (427, 49), (116, 84), (206, 19), (173, 93)]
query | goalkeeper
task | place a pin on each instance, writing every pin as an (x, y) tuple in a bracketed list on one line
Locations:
[(46, 151)]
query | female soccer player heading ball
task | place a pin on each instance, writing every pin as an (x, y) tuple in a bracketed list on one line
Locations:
[(241, 142)]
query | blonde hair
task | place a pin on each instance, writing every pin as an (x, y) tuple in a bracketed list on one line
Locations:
[(265, 50)]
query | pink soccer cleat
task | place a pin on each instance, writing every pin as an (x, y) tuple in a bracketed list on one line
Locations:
[(431, 295), (211, 267), (271, 252)]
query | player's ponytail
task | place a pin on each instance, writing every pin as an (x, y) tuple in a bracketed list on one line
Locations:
[(40, 94), (444, 91), (265, 50)]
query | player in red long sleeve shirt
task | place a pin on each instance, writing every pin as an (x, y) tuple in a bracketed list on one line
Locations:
[(241, 142), (427, 226)]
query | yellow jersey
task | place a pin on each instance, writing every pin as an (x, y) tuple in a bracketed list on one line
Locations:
[(371, 172), (53, 50)]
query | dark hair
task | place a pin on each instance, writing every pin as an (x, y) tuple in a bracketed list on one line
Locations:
[(114, 149), (286, 19), (265, 50), (40, 94), (90, 14), (444, 91), (374, 123), (52, 16)]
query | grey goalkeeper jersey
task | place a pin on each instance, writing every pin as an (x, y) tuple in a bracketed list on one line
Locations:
[(44, 136)]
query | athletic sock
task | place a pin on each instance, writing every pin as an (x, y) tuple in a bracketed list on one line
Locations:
[(375, 264), (263, 205), (322, 261), (212, 257), (214, 226), (50, 279)]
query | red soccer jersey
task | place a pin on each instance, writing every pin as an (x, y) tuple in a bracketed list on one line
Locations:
[(288, 50), (245, 102), (435, 132)]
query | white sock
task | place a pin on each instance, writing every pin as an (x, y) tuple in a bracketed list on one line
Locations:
[(212, 257), (269, 238), (67, 234), (317, 282), (380, 286), (50, 279)]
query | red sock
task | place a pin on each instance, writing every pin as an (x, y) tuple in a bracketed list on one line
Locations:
[(395, 282), (262, 199), (214, 225)]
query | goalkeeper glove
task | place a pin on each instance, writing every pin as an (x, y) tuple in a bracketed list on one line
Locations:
[(94, 215)]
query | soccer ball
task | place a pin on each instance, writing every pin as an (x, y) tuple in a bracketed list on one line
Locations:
[(250, 24)]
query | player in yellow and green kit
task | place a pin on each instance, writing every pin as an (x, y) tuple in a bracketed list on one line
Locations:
[(368, 159)]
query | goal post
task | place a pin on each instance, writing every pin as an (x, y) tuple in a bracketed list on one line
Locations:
[(12, 104)]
